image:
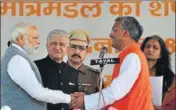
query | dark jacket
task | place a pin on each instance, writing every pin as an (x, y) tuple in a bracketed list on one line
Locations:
[(58, 77)]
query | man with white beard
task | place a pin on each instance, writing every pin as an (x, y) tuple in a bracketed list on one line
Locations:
[(21, 84)]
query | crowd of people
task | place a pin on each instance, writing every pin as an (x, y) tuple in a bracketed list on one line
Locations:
[(52, 84)]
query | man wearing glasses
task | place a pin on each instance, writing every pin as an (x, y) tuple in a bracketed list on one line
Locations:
[(77, 51)]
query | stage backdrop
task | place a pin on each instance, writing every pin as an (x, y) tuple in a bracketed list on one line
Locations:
[(156, 17)]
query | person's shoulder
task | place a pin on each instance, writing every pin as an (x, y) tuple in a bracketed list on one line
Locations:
[(40, 61), (18, 58), (92, 70), (68, 67)]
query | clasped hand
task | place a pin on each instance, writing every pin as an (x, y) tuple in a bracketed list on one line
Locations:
[(77, 101)]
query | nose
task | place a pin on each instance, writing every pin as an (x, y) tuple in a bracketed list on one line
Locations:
[(110, 35), (151, 49), (57, 46), (38, 42), (77, 50)]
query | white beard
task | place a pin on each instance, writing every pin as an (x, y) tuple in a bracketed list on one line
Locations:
[(30, 50)]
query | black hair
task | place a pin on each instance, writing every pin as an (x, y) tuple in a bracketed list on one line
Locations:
[(163, 65)]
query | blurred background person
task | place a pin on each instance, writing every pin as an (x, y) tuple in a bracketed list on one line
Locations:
[(56, 74), (21, 84), (158, 58)]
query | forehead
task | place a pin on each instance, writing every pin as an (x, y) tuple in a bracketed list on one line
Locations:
[(153, 42), (58, 39), (116, 25), (32, 33)]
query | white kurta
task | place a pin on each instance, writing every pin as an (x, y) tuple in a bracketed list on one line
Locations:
[(22, 74), (120, 86)]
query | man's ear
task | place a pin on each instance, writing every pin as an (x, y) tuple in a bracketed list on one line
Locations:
[(87, 51), (126, 33), (20, 40), (47, 45)]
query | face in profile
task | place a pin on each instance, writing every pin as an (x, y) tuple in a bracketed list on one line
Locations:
[(76, 53), (117, 35), (31, 40), (57, 46), (152, 50)]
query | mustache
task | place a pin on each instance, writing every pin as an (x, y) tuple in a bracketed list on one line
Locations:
[(74, 55)]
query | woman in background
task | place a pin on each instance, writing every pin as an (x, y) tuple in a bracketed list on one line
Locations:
[(158, 58)]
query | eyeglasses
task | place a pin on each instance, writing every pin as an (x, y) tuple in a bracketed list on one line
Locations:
[(61, 44), (115, 29), (78, 47)]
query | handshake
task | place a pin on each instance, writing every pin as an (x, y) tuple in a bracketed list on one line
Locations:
[(77, 101)]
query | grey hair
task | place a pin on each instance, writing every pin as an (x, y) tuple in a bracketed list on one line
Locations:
[(57, 32), (131, 25), (19, 29)]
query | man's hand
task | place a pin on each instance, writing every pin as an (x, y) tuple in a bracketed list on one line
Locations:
[(72, 98), (77, 100)]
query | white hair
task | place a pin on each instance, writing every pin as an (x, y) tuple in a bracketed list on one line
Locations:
[(19, 29), (57, 32)]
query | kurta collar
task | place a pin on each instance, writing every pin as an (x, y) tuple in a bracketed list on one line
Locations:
[(20, 48), (54, 63)]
